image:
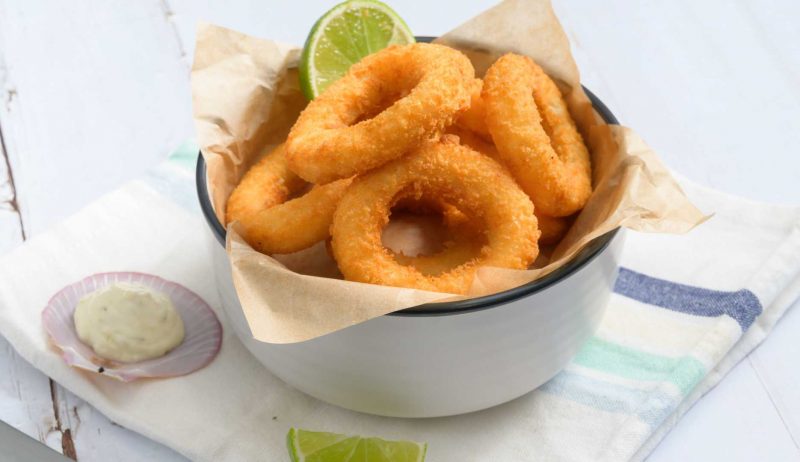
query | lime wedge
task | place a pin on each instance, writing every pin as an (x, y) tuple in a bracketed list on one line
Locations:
[(308, 446), (344, 35)]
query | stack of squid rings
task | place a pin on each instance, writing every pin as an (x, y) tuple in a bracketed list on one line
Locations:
[(411, 128)]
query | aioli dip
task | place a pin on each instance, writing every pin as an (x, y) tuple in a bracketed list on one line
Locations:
[(128, 322)]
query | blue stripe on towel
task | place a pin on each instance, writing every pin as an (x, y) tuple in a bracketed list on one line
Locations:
[(651, 407), (742, 305)]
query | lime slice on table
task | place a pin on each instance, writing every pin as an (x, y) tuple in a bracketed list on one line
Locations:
[(308, 446), (344, 35)]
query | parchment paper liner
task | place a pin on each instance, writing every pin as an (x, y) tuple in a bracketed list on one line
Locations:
[(246, 97)]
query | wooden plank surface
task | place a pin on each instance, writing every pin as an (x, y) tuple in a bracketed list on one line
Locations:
[(93, 93), (25, 401), (713, 86)]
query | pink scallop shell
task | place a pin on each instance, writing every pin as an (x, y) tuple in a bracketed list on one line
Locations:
[(201, 343)]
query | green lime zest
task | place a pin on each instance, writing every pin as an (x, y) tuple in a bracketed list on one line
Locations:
[(341, 37), (310, 446)]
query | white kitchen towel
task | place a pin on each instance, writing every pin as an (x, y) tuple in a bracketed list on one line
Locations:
[(685, 310)]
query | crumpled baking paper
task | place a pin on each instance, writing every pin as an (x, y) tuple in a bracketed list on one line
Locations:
[(246, 96)]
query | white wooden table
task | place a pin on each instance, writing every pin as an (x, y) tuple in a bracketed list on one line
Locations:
[(92, 93)]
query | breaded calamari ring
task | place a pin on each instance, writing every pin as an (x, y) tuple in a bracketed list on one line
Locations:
[(270, 223), (552, 228), (474, 141), (470, 181), (474, 118), (425, 87), (546, 154)]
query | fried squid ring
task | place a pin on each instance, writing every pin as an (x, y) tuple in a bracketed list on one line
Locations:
[(425, 87), (475, 142), (546, 154), (474, 118), (552, 228), (470, 181), (270, 222)]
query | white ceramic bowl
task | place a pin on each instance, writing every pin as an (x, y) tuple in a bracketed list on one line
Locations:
[(443, 358)]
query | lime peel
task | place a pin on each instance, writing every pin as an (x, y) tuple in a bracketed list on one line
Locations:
[(345, 34), (311, 446)]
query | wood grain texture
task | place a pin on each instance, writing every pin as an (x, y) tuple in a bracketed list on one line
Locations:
[(25, 398), (11, 233), (92, 93), (96, 438), (99, 94), (25, 401)]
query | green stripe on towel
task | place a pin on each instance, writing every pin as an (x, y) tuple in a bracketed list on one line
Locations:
[(185, 155), (685, 372)]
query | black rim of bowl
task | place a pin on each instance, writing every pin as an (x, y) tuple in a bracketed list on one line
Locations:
[(584, 257)]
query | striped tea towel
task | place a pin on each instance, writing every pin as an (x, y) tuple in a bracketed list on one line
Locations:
[(686, 309)]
